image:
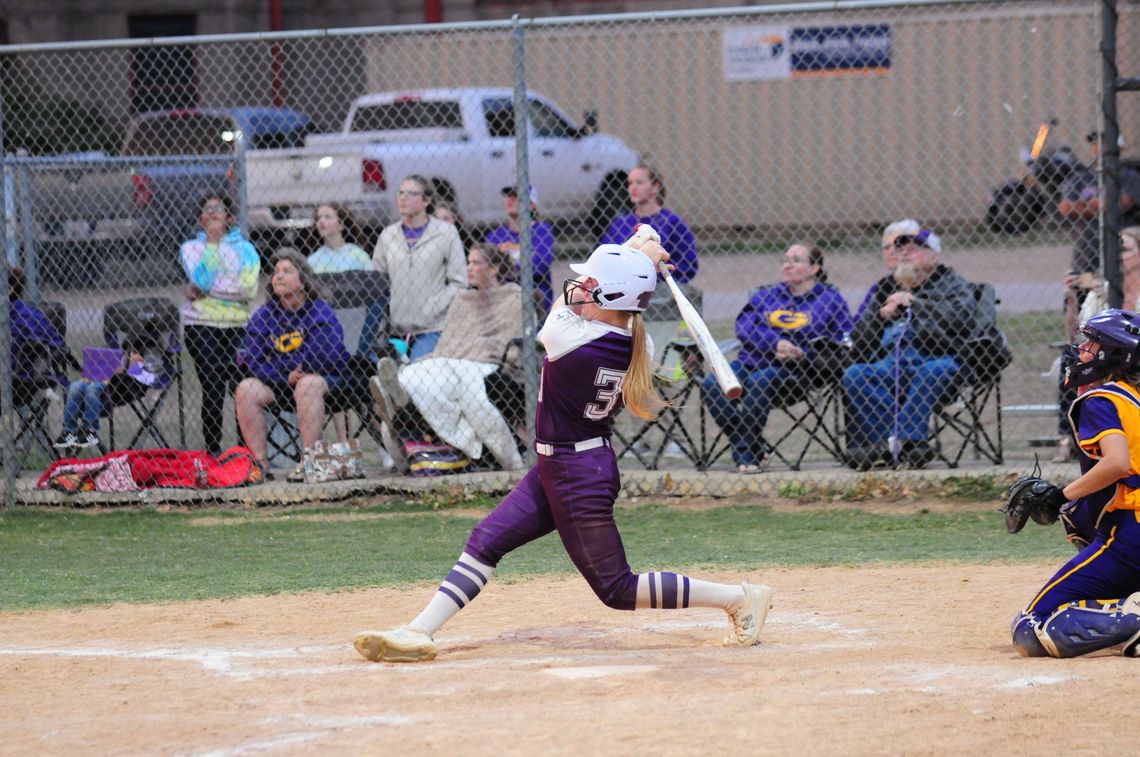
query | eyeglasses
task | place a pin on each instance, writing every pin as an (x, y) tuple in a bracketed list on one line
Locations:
[(409, 193), (905, 240), (214, 210)]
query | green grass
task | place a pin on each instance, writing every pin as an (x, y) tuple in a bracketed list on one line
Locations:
[(54, 558)]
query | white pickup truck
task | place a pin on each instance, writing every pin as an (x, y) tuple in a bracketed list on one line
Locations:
[(463, 140)]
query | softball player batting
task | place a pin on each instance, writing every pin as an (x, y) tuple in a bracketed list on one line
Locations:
[(597, 359), (1070, 615)]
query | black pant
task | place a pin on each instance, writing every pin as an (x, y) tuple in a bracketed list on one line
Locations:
[(214, 352)]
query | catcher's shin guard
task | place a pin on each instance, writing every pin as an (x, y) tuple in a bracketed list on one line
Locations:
[(1025, 639), (1073, 631)]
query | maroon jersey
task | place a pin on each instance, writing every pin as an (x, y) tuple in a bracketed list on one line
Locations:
[(582, 377)]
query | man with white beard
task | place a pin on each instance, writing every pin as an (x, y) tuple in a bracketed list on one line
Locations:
[(906, 341)]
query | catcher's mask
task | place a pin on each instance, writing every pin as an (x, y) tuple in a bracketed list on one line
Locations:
[(626, 278), (1117, 334)]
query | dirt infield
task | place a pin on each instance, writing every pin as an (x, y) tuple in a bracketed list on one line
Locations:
[(900, 660)]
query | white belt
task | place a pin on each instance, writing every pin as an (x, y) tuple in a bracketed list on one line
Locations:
[(549, 449)]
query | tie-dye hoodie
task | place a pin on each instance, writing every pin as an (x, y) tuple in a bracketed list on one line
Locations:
[(227, 272)]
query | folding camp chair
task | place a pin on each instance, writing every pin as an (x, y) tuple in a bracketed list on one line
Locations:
[(153, 324), (969, 415), (812, 415), (32, 399), (678, 375), (284, 438)]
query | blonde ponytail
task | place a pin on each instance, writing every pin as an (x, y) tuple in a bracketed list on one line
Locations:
[(640, 394)]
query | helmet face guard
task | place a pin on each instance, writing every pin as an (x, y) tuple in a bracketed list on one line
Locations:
[(1117, 335), (569, 286)]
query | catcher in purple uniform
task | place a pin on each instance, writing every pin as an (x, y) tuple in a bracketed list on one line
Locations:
[(598, 358), (1093, 601)]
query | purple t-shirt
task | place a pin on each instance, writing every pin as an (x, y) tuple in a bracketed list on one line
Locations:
[(411, 236), (582, 377), (676, 238), (542, 244)]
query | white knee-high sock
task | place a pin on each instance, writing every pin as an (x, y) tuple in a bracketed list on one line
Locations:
[(671, 591), (463, 584)]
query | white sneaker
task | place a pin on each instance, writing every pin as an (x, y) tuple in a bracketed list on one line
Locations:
[(67, 440), (746, 620), (401, 645), (394, 447)]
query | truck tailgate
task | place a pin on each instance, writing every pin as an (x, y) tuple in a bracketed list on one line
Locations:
[(301, 177)]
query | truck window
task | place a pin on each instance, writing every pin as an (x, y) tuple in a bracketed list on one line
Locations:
[(499, 113), (182, 134), (408, 114), (282, 140), (546, 122)]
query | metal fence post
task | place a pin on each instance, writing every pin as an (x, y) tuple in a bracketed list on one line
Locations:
[(1110, 158), (526, 248), (7, 400), (27, 226), (241, 186)]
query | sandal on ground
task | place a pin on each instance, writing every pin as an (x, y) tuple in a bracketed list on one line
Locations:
[(297, 476)]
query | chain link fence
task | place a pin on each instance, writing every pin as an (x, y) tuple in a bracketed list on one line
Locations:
[(179, 207)]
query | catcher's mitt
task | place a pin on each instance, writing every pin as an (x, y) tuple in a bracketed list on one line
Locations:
[(1032, 497)]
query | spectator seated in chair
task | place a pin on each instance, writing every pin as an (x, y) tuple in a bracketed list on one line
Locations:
[(38, 362), (789, 333), (294, 346), (448, 386), (35, 343), (96, 392), (907, 341)]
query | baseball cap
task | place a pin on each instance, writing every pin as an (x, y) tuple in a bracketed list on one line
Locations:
[(509, 191), (905, 226)]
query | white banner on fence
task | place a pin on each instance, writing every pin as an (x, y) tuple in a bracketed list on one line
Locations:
[(757, 52), (781, 52)]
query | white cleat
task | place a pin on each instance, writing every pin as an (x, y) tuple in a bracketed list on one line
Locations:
[(401, 645), (746, 620)]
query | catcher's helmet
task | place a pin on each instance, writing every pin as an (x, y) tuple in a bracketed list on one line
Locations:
[(625, 277), (1117, 333)]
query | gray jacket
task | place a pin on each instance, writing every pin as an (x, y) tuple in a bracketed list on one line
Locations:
[(941, 318), (424, 278)]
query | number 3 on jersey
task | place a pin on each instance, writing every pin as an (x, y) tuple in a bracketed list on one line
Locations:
[(610, 382)]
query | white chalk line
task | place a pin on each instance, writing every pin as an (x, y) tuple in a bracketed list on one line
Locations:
[(317, 728), (599, 671), (232, 663), (934, 679)]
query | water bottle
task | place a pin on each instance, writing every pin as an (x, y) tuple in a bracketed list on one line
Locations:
[(201, 481)]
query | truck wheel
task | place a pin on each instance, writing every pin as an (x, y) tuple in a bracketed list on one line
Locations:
[(611, 201)]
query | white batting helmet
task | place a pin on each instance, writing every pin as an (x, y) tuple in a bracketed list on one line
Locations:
[(626, 278)]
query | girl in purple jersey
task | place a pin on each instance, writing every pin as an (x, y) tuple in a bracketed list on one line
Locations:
[(598, 359)]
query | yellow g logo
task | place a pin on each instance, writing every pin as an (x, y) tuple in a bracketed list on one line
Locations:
[(788, 319), (289, 342)]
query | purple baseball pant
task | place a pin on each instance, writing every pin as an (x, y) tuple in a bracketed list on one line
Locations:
[(573, 493)]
